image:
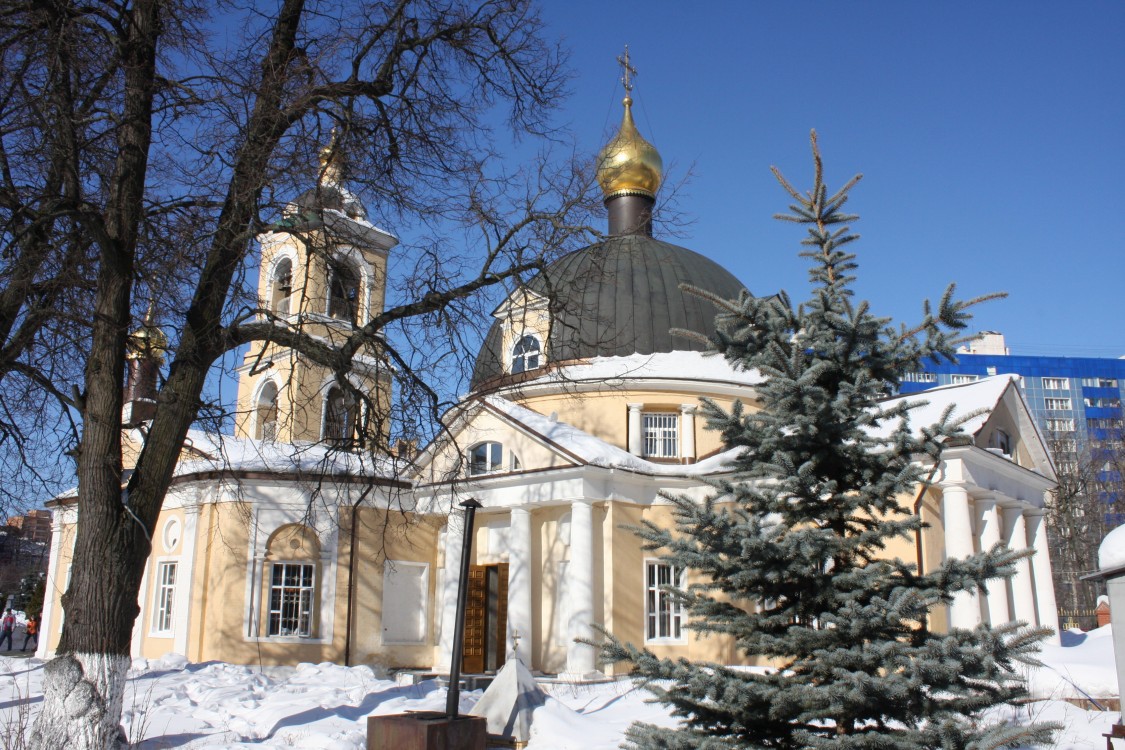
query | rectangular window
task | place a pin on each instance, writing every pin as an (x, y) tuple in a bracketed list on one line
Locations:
[(1056, 384), (661, 435), (663, 615), (1060, 425), (1099, 382), (1064, 445), (165, 597), (405, 589), (292, 589), (1103, 403), (1057, 404), (1001, 441), (963, 379), (919, 377)]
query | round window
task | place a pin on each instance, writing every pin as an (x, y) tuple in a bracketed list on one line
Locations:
[(171, 534)]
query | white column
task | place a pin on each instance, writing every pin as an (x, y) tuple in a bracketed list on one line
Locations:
[(957, 518), (580, 657), (451, 572), (1023, 590), (1041, 571), (687, 431), (519, 587), (989, 522), (52, 606), (636, 436)]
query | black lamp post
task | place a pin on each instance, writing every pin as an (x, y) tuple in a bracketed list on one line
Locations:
[(454, 696)]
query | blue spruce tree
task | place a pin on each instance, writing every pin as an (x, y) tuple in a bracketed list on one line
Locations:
[(788, 558)]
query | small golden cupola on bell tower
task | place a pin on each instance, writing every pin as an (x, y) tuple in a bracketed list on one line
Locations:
[(630, 169)]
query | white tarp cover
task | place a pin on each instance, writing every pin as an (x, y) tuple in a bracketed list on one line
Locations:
[(509, 701)]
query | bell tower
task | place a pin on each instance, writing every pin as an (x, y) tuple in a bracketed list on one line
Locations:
[(322, 274)]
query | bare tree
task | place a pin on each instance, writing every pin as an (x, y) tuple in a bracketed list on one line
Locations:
[(144, 145), (1088, 502)]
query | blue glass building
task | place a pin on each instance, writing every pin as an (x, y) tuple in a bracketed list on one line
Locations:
[(1077, 402)]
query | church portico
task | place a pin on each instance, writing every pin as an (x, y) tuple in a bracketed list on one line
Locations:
[(987, 499)]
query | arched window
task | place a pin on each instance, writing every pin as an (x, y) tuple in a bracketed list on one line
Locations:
[(485, 458), (343, 293), (339, 416), (290, 579), (266, 412), (525, 354), (282, 287)]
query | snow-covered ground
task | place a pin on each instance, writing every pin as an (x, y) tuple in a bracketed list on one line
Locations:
[(171, 703)]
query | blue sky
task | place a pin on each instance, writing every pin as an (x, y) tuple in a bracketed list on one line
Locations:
[(989, 136)]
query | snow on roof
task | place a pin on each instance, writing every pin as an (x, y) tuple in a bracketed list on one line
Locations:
[(1111, 554), (680, 365), (598, 452), (209, 451), (978, 399), (980, 396)]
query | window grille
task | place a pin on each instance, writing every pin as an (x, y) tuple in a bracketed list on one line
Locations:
[(165, 596), (663, 614), (661, 435), (292, 588)]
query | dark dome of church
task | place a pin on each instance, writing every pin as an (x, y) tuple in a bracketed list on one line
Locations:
[(619, 297)]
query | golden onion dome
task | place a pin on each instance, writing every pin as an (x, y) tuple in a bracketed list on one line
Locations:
[(629, 165), (148, 341)]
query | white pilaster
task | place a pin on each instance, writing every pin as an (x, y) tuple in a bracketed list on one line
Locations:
[(580, 657), (636, 437), (451, 573), (52, 606), (687, 430), (957, 518), (989, 522), (185, 580), (1023, 590), (519, 587), (1041, 572)]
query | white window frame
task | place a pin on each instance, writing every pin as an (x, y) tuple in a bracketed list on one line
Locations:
[(920, 377), (658, 601), (163, 623), (523, 357), (309, 609), (963, 379), (1064, 424), (490, 466), (1056, 384), (1051, 403), (660, 434), (388, 569)]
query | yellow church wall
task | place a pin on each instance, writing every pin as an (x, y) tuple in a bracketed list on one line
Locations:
[(452, 455), (605, 413), (383, 536)]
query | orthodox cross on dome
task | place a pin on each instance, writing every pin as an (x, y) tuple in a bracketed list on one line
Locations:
[(628, 69), (331, 158)]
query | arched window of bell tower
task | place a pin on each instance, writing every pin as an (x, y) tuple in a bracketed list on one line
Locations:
[(282, 287), (343, 292), (266, 412), (339, 416)]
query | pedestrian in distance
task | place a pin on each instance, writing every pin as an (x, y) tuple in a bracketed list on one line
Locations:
[(31, 632), (7, 626)]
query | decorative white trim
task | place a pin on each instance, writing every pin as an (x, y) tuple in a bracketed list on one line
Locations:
[(265, 520), (659, 641)]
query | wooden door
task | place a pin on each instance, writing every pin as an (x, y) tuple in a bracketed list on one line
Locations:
[(486, 619), (476, 620), (497, 644)]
